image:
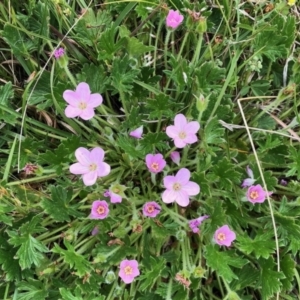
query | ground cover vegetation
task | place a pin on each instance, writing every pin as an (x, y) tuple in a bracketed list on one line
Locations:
[(149, 150)]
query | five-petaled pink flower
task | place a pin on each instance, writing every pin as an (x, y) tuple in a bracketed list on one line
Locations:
[(248, 181), (81, 102), (155, 162), (99, 210), (151, 209), (224, 236), (195, 223), (137, 133), (59, 52), (183, 132), (174, 19), (90, 165), (179, 188), (175, 156), (256, 194), (129, 269)]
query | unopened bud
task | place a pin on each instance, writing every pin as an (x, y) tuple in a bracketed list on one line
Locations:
[(201, 103), (202, 25)]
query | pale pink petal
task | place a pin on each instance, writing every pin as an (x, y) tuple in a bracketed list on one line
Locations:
[(169, 196), (179, 143), (191, 188), (78, 169), (169, 182), (249, 172), (135, 272), (71, 97), (97, 155), (114, 198), (190, 139), (83, 156), (175, 156), (183, 176), (172, 131), (95, 100), (87, 113), (182, 198), (180, 121), (103, 169), (89, 178), (248, 182), (124, 263), (72, 111), (149, 159), (192, 127), (137, 133), (83, 90)]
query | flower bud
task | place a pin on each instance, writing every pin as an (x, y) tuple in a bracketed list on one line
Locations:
[(202, 25), (110, 277), (180, 235), (201, 103)]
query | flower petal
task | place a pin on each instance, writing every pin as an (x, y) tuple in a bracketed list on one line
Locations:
[(71, 97), (169, 181), (83, 156), (179, 143), (182, 198), (87, 114), (190, 139), (83, 91), (103, 169), (89, 178), (72, 112), (78, 169), (172, 131), (149, 158), (180, 121), (168, 196), (192, 127), (95, 100), (191, 188), (97, 155), (183, 176)]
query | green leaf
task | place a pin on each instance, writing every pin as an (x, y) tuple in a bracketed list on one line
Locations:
[(269, 278), (67, 295), (294, 166), (136, 48), (151, 141), (4, 209), (127, 145), (262, 245), (247, 277), (221, 262), (73, 259), (260, 87), (6, 94), (123, 73), (288, 268), (158, 264), (159, 107), (227, 174), (214, 132), (59, 207), (33, 289)]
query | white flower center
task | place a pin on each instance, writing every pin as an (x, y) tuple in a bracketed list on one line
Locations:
[(155, 166), (92, 167), (254, 195), (221, 236), (176, 186), (82, 105), (128, 270), (182, 135), (100, 210)]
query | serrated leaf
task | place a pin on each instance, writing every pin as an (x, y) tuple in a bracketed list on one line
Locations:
[(269, 278), (262, 245), (214, 132), (151, 141), (127, 145), (294, 166), (288, 268), (9, 264), (59, 207), (123, 74), (160, 106), (158, 264), (6, 93), (136, 48), (67, 295), (247, 277), (75, 260), (33, 289), (220, 261)]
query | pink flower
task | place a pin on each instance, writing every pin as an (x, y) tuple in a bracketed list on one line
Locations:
[(256, 194), (100, 210), (95, 231), (137, 133), (182, 132), (116, 193), (174, 19), (90, 165), (59, 52), (129, 269), (81, 102), (195, 223), (151, 209), (30, 168), (175, 156), (248, 181), (224, 236), (155, 162), (179, 188)]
